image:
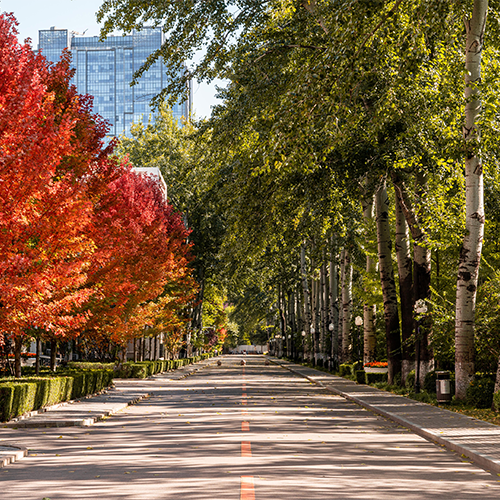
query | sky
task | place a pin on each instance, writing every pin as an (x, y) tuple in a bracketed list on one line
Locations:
[(79, 16)]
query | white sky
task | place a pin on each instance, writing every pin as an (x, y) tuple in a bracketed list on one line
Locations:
[(79, 15)]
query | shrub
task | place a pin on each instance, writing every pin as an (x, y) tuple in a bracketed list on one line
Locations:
[(345, 369), (430, 382), (90, 382), (480, 392), (23, 395), (356, 367), (496, 401), (373, 378), (410, 380), (87, 365), (360, 377)]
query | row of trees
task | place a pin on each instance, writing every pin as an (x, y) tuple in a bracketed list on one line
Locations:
[(349, 129), (88, 247)]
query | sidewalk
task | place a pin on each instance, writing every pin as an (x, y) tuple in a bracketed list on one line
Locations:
[(90, 410), (474, 439)]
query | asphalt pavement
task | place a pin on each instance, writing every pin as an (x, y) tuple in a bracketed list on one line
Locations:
[(250, 432)]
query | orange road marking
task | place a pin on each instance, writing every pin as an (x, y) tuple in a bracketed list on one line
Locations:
[(243, 401), (246, 449), (247, 491), (244, 395), (245, 426)]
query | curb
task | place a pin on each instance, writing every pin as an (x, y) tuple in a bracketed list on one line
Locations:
[(34, 413), (77, 422), (485, 461), (14, 453)]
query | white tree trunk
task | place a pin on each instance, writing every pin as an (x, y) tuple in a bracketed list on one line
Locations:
[(405, 267), (324, 309), (470, 254), (346, 303), (391, 315), (369, 339), (334, 309), (305, 290)]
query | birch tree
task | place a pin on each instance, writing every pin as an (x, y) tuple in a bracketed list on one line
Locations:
[(470, 254)]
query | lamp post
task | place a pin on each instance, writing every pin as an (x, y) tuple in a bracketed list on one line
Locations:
[(313, 331), (290, 343), (420, 309), (303, 345), (278, 339), (359, 323), (331, 327)]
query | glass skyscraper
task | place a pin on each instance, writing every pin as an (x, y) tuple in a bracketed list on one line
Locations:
[(105, 69)]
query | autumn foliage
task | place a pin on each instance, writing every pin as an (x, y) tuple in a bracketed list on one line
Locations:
[(88, 247)]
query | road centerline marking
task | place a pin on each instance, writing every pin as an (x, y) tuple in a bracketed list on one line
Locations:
[(247, 491), (245, 426), (246, 449)]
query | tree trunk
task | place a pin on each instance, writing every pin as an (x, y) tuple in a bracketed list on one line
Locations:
[(53, 355), (37, 357), (422, 287), (346, 303), (470, 253), (305, 286), (317, 320), (324, 310), (300, 322), (293, 325), (18, 344), (334, 310), (369, 339), (405, 273), (497, 384), (391, 314), (135, 351)]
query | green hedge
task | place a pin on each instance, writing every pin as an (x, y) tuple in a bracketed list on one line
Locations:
[(479, 394), (496, 401), (19, 396), (373, 378), (345, 370), (360, 377), (144, 369), (87, 365)]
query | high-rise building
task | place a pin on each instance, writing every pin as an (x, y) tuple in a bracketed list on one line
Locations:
[(104, 69)]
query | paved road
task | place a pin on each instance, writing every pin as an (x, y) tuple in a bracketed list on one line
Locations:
[(250, 433)]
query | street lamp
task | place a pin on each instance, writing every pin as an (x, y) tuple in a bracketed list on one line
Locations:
[(420, 309), (358, 321)]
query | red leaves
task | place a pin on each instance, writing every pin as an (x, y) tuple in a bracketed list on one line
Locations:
[(85, 243)]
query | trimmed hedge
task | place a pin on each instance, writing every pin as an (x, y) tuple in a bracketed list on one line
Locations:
[(345, 369), (144, 369), (360, 377), (87, 365), (90, 382), (19, 396), (373, 378)]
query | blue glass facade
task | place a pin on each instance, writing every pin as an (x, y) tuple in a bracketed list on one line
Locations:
[(104, 70)]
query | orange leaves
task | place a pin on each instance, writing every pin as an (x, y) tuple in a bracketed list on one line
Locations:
[(141, 251), (86, 244)]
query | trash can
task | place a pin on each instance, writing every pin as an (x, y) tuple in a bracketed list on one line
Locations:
[(443, 387)]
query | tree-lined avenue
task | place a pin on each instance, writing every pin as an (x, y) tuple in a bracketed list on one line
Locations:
[(197, 439)]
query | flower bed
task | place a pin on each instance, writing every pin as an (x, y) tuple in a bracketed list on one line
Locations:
[(376, 364)]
